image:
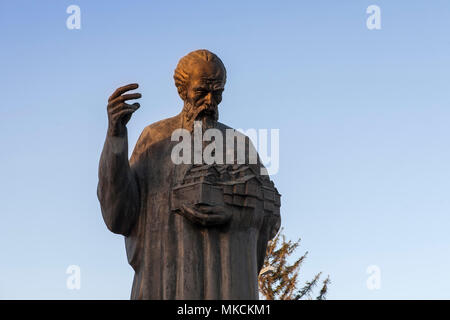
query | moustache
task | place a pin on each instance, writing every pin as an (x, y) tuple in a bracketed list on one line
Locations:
[(206, 110)]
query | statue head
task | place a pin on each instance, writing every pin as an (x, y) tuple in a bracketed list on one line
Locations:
[(200, 78)]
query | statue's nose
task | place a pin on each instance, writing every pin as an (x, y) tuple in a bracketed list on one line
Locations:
[(209, 99)]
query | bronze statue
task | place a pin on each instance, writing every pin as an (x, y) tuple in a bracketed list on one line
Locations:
[(192, 230)]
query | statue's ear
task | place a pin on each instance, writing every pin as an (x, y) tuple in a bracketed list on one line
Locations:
[(182, 92)]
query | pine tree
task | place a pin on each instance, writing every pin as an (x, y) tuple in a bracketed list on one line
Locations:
[(279, 281)]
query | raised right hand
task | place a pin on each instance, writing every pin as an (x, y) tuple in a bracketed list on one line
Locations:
[(119, 112)]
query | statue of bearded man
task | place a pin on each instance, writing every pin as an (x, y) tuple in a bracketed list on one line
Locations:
[(192, 230)]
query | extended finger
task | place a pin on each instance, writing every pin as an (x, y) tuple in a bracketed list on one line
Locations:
[(219, 215), (123, 106), (124, 98), (194, 215), (123, 113), (123, 89), (193, 212)]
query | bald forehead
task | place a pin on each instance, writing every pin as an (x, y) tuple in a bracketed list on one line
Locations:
[(206, 71)]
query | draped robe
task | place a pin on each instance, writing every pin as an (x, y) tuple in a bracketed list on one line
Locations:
[(172, 257)]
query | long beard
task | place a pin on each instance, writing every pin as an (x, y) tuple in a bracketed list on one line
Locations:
[(202, 113)]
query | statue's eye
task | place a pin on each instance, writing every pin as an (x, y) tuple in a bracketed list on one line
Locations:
[(200, 91)]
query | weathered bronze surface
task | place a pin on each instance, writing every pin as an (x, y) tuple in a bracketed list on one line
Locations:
[(192, 231)]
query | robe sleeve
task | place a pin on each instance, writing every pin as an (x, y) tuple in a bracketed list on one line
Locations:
[(117, 190)]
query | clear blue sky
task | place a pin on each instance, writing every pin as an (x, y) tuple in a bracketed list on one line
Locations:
[(363, 118)]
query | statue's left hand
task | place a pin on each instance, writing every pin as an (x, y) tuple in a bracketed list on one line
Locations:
[(205, 215)]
